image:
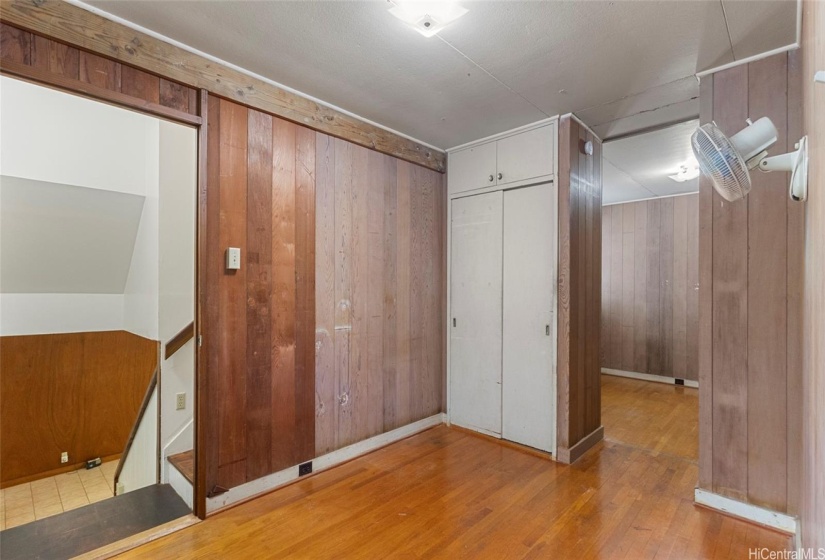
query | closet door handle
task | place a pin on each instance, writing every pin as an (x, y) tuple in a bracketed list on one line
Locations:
[(491, 178), (500, 176), (453, 322), (546, 330)]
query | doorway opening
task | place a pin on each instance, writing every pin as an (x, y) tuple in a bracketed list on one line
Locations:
[(97, 288)]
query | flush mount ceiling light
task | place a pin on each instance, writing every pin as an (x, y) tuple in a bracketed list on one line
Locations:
[(426, 17), (686, 173)]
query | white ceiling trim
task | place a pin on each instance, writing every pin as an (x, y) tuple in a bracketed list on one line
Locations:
[(747, 60), (184, 46)]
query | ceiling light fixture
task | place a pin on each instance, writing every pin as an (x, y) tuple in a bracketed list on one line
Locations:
[(426, 17), (686, 173)]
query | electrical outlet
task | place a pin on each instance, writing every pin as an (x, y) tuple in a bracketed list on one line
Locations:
[(64, 457), (305, 468), (180, 401)]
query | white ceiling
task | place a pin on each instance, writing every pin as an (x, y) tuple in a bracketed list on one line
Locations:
[(620, 65), (64, 239), (637, 167)]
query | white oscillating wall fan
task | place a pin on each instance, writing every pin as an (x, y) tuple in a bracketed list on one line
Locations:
[(728, 161)]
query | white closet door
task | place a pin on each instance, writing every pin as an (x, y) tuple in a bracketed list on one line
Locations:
[(529, 359), (475, 318)]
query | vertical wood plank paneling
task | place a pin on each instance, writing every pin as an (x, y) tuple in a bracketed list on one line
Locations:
[(359, 372), (640, 361), (628, 286), (138, 83), (648, 310), (258, 290), (705, 338), (796, 273), (56, 58), (305, 153), (604, 354), (653, 309), (174, 95), (692, 286), (343, 278), (666, 285), (417, 278), (232, 296), (730, 307), (389, 350), (404, 373), (616, 288), (15, 44), (767, 298), (680, 244), (579, 295), (377, 178), (283, 298), (326, 417), (99, 71)]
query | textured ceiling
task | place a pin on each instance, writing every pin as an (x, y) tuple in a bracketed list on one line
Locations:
[(619, 65), (637, 167)]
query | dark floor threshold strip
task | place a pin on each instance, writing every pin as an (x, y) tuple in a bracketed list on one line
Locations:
[(90, 527)]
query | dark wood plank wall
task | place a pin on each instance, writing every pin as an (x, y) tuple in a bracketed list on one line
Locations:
[(75, 392), (260, 341), (750, 262), (650, 287), (64, 61), (812, 508), (579, 307), (380, 264)]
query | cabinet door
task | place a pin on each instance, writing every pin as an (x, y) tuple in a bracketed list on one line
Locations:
[(472, 168), (526, 155), (475, 317), (529, 343)]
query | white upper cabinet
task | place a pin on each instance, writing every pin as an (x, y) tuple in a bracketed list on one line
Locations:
[(472, 168), (513, 157), (526, 155)]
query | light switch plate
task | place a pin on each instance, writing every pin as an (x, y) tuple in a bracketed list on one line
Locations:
[(233, 258)]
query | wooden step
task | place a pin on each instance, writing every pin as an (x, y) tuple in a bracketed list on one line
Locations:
[(185, 463)]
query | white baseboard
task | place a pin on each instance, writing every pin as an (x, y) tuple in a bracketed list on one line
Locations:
[(272, 481), (779, 521), (650, 377)]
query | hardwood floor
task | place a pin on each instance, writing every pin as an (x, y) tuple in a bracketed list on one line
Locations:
[(655, 416), (43, 498), (445, 493)]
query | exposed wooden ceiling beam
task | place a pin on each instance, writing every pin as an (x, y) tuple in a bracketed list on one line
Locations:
[(81, 28)]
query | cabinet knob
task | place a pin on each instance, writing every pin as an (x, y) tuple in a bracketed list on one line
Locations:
[(491, 178), (500, 176)]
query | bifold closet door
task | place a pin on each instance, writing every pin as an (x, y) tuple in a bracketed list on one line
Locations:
[(529, 337), (475, 304)]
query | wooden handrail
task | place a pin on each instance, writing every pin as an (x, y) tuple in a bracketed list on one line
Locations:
[(143, 406), (177, 341)]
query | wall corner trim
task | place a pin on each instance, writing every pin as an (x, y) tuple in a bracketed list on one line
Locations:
[(255, 488), (759, 515)]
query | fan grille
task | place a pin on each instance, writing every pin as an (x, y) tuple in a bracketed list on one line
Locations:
[(721, 162)]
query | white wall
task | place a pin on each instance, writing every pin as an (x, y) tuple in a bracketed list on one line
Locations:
[(56, 137), (178, 200), (22, 314)]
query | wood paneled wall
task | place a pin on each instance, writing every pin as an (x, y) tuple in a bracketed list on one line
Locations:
[(579, 307), (76, 392), (70, 64), (331, 332), (650, 287), (813, 382), (380, 266), (750, 306), (260, 319)]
